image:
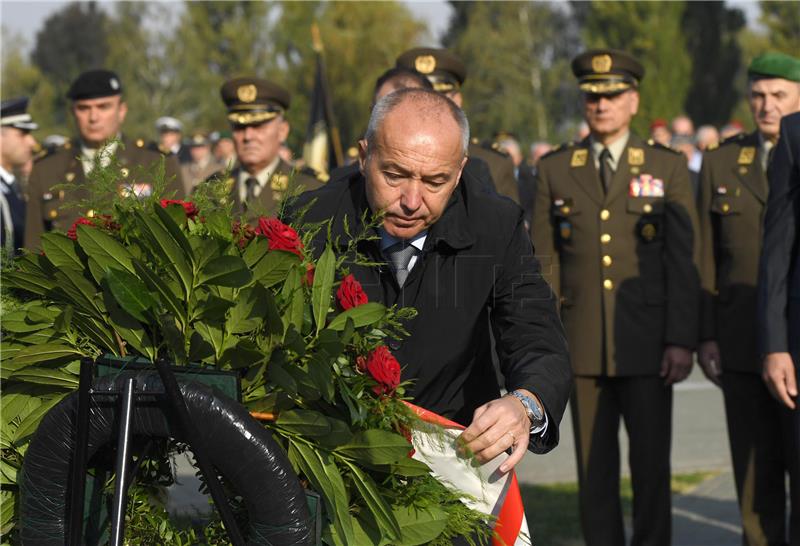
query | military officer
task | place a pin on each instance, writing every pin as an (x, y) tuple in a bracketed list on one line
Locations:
[(203, 163), (16, 149), (733, 195), (615, 226), (99, 110), (261, 179), (447, 74), (170, 139)]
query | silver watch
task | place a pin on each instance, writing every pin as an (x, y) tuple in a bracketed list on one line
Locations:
[(532, 408)]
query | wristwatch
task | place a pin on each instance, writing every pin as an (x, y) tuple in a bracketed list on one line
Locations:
[(532, 408)]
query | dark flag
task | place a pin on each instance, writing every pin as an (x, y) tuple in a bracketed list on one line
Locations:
[(323, 149)]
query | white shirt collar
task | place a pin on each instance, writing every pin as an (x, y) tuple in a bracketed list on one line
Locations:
[(615, 149), (418, 241), (7, 177), (262, 176)]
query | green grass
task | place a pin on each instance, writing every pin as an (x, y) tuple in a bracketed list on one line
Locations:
[(552, 509)]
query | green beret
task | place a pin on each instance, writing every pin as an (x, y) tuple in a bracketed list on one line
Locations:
[(606, 71), (444, 70), (251, 101), (775, 65)]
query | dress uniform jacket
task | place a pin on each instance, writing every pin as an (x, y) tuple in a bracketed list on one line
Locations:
[(282, 181), (477, 266), (624, 262), (48, 208), (501, 168), (733, 194), (12, 215)]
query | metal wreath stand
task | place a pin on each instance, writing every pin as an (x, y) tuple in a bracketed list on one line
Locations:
[(145, 403)]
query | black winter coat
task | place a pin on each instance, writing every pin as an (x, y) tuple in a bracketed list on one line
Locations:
[(477, 271)]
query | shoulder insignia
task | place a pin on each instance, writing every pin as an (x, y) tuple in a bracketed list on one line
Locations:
[(746, 155), (653, 144), (711, 147), (474, 140), (279, 182), (579, 158)]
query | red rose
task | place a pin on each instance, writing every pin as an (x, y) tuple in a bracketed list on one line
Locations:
[(279, 235), (385, 369), (361, 363), (188, 207), (350, 293), (73, 231), (309, 276)]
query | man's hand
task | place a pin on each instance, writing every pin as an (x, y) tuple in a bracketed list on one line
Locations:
[(496, 426), (676, 364), (778, 374), (710, 362)]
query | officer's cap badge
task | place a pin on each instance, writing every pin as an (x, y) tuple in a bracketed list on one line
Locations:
[(601, 63), (247, 93), (425, 64)]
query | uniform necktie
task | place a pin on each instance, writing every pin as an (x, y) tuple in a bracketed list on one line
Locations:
[(250, 186), (399, 255), (606, 173), (766, 154)]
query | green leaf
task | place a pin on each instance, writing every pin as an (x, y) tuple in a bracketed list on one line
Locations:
[(256, 249), (339, 435), (320, 467), (166, 249), (243, 355), (376, 447), (248, 312), (131, 294), (304, 422), (173, 338), (323, 283), (97, 331), (213, 335), (320, 372), (408, 467), (128, 327), (60, 251), (277, 374), (363, 315), (79, 291), (107, 251), (156, 284), (17, 322), (8, 507), (173, 228), (46, 376), (274, 267), (31, 422), (31, 282), (375, 502), (46, 352), (64, 320), (225, 271), (219, 224), (419, 526), (8, 473), (292, 292)]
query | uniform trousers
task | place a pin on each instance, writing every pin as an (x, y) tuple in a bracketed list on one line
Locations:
[(645, 406), (763, 449)]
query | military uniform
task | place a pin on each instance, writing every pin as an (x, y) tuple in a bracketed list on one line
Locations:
[(622, 260), (49, 209), (500, 166), (732, 203), (14, 116)]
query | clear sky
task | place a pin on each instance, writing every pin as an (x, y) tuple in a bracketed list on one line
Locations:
[(27, 17)]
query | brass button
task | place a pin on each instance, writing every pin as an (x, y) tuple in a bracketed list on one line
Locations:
[(608, 284), (605, 238), (53, 214), (604, 214), (565, 209), (607, 261), (726, 207), (647, 208)]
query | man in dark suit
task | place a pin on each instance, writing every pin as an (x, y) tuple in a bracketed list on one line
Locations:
[(463, 259), (615, 225), (447, 74), (261, 179), (779, 298), (733, 195), (99, 111), (16, 149)]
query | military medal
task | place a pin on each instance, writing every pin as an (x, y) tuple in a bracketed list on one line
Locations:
[(565, 230), (648, 232)]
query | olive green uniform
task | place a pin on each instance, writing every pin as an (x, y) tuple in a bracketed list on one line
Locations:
[(733, 195), (501, 168), (285, 180), (49, 209), (624, 264)]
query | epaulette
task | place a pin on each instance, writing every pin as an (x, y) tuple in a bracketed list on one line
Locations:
[(653, 144), (733, 139), (560, 148), (310, 171)]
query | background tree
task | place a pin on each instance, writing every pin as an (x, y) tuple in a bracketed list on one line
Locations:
[(72, 40), (712, 40), (782, 21)]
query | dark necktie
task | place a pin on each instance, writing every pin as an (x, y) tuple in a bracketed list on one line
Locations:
[(606, 173), (399, 256), (250, 185)]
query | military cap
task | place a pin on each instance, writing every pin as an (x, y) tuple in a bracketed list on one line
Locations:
[(14, 113), (95, 84), (442, 68), (198, 139), (775, 65), (166, 124), (253, 100), (606, 71)]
